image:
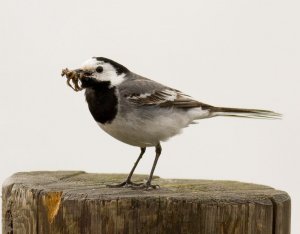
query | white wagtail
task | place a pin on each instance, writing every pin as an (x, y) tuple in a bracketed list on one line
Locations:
[(139, 111)]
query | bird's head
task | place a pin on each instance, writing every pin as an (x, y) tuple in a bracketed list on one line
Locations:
[(97, 69)]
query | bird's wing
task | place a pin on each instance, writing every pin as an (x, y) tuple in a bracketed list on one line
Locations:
[(145, 92), (164, 98)]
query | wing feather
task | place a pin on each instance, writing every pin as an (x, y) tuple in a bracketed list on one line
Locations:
[(145, 92), (165, 98)]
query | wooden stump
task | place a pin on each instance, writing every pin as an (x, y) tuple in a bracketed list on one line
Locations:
[(79, 202)]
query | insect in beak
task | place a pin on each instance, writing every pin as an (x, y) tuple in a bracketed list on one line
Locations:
[(74, 76)]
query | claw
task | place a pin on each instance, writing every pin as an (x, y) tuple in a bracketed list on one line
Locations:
[(147, 186), (130, 184), (125, 184)]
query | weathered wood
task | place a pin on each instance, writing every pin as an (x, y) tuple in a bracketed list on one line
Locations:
[(78, 202)]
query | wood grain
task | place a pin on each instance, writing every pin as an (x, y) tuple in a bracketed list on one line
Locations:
[(79, 202)]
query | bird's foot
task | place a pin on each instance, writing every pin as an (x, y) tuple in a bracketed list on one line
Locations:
[(125, 184), (130, 184), (147, 186)]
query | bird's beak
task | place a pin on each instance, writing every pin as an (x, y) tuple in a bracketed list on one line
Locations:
[(83, 73)]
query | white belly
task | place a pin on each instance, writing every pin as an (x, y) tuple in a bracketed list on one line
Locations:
[(148, 129)]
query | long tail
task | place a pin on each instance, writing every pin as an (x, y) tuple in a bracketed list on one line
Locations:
[(245, 113)]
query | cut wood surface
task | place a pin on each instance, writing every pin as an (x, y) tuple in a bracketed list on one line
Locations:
[(78, 202)]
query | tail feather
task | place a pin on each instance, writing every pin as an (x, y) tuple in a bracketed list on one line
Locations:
[(244, 113)]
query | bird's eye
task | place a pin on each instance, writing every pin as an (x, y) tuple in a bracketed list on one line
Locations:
[(99, 69)]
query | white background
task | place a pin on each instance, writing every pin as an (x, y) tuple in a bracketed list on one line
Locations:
[(226, 53)]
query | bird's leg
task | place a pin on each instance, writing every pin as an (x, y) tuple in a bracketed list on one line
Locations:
[(158, 152), (128, 182), (148, 184)]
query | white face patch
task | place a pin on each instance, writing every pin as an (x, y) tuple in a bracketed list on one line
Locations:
[(91, 64), (109, 73)]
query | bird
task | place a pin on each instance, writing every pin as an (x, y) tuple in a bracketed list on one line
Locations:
[(142, 112)]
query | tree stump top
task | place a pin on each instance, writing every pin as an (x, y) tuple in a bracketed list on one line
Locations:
[(48, 201)]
